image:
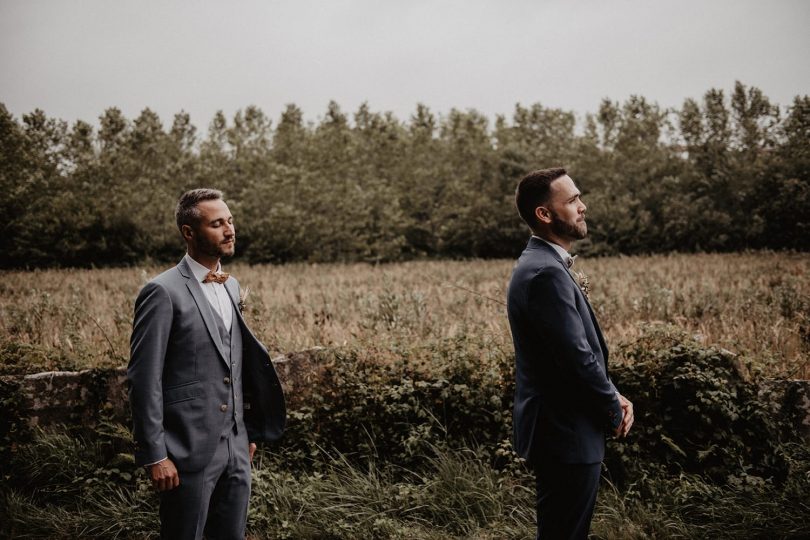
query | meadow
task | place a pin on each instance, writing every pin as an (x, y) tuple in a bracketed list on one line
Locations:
[(754, 304), (406, 432)]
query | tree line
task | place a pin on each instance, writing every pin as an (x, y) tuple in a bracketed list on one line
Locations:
[(719, 174)]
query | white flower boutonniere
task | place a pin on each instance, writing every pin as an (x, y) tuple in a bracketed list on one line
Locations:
[(583, 282), (243, 294)]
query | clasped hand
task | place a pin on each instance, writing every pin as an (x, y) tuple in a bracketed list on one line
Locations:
[(627, 417)]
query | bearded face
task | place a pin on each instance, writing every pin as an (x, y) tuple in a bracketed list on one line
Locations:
[(215, 246), (214, 234), (573, 227)]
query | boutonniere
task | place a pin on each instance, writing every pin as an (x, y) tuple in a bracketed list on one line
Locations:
[(243, 294), (583, 282)]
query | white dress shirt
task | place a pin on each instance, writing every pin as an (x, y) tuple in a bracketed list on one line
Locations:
[(215, 292)]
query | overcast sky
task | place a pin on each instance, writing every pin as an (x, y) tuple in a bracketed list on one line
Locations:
[(74, 59)]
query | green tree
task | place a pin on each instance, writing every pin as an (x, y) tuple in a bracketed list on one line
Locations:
[(16, 178), (783, 194), (419, 182), (291, 138)]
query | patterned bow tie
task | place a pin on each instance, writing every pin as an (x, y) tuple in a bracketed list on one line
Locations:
[(216, 277)]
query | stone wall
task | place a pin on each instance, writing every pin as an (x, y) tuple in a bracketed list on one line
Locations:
[(86, 397)]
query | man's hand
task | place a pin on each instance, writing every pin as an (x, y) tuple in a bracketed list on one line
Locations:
[(164, 475), (627, 417), (252, 450)]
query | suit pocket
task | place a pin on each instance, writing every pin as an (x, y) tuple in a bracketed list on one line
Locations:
[(182, 392)]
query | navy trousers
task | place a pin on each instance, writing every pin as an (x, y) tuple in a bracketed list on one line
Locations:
[(213, 501), (566, 496)]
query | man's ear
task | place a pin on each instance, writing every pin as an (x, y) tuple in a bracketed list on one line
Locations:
[(187, 231), (542, 214)]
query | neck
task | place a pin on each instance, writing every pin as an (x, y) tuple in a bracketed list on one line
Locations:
[(549, 236), (206, 260)]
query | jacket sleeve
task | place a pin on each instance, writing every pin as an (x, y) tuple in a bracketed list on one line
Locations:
[(150, 337), (553, 311)]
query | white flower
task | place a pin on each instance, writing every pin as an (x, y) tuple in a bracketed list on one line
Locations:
[(243, 294), (584, 282)]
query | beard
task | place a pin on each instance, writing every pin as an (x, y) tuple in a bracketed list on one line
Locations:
[(566, 229), (213, 249)]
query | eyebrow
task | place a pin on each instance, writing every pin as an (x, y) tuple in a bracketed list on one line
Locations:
[(219, 219)]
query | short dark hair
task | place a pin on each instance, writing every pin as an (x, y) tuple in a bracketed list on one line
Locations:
[(186, 212), (533, 190)]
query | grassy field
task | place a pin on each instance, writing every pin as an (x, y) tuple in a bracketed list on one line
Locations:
[(410, 438), (754, 304)]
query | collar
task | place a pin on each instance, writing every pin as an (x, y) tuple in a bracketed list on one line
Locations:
[(564, 255), (199, 270)]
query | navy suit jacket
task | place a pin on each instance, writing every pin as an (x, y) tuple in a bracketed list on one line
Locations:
[(564, 400), (180, 375)]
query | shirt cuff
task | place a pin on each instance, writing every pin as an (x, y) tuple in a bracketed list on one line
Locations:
[(156, 462)]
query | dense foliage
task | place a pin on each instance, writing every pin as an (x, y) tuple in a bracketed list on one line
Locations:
[(723, 174), (418, 448)]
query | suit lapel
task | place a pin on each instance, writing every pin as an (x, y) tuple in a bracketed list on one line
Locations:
[(599, 333), (593, 317), (233, 292), (591, 313), (559, 260), (204, 306)]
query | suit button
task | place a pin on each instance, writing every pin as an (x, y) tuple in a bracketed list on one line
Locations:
[(223, 407), (227, 380)]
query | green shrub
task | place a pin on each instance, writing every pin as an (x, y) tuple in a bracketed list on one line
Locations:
[(696, 411), (396, 411), (418, 446)]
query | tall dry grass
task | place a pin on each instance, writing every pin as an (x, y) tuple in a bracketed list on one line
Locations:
[(756, 304), (455, 494)]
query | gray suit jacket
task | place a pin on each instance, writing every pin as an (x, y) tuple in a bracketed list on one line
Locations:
[(181, 378), (564, 400)]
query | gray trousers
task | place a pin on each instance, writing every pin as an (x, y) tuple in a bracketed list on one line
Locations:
[(214, 500)]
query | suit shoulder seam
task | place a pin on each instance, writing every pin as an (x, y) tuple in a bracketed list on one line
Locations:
[(157, 284)]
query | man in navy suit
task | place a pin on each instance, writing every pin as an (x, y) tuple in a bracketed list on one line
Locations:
[(202, 388), (565, 403)]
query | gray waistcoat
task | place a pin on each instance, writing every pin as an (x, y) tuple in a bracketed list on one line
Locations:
[(233, 345)]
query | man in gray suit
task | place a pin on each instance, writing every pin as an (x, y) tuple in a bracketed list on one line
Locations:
[(203, 390), (565, 402)]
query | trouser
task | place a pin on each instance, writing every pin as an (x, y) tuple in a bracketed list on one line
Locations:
[(214, 500), (566, 496)]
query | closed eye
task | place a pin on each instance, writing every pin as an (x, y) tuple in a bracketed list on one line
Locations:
[(220, 222)]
